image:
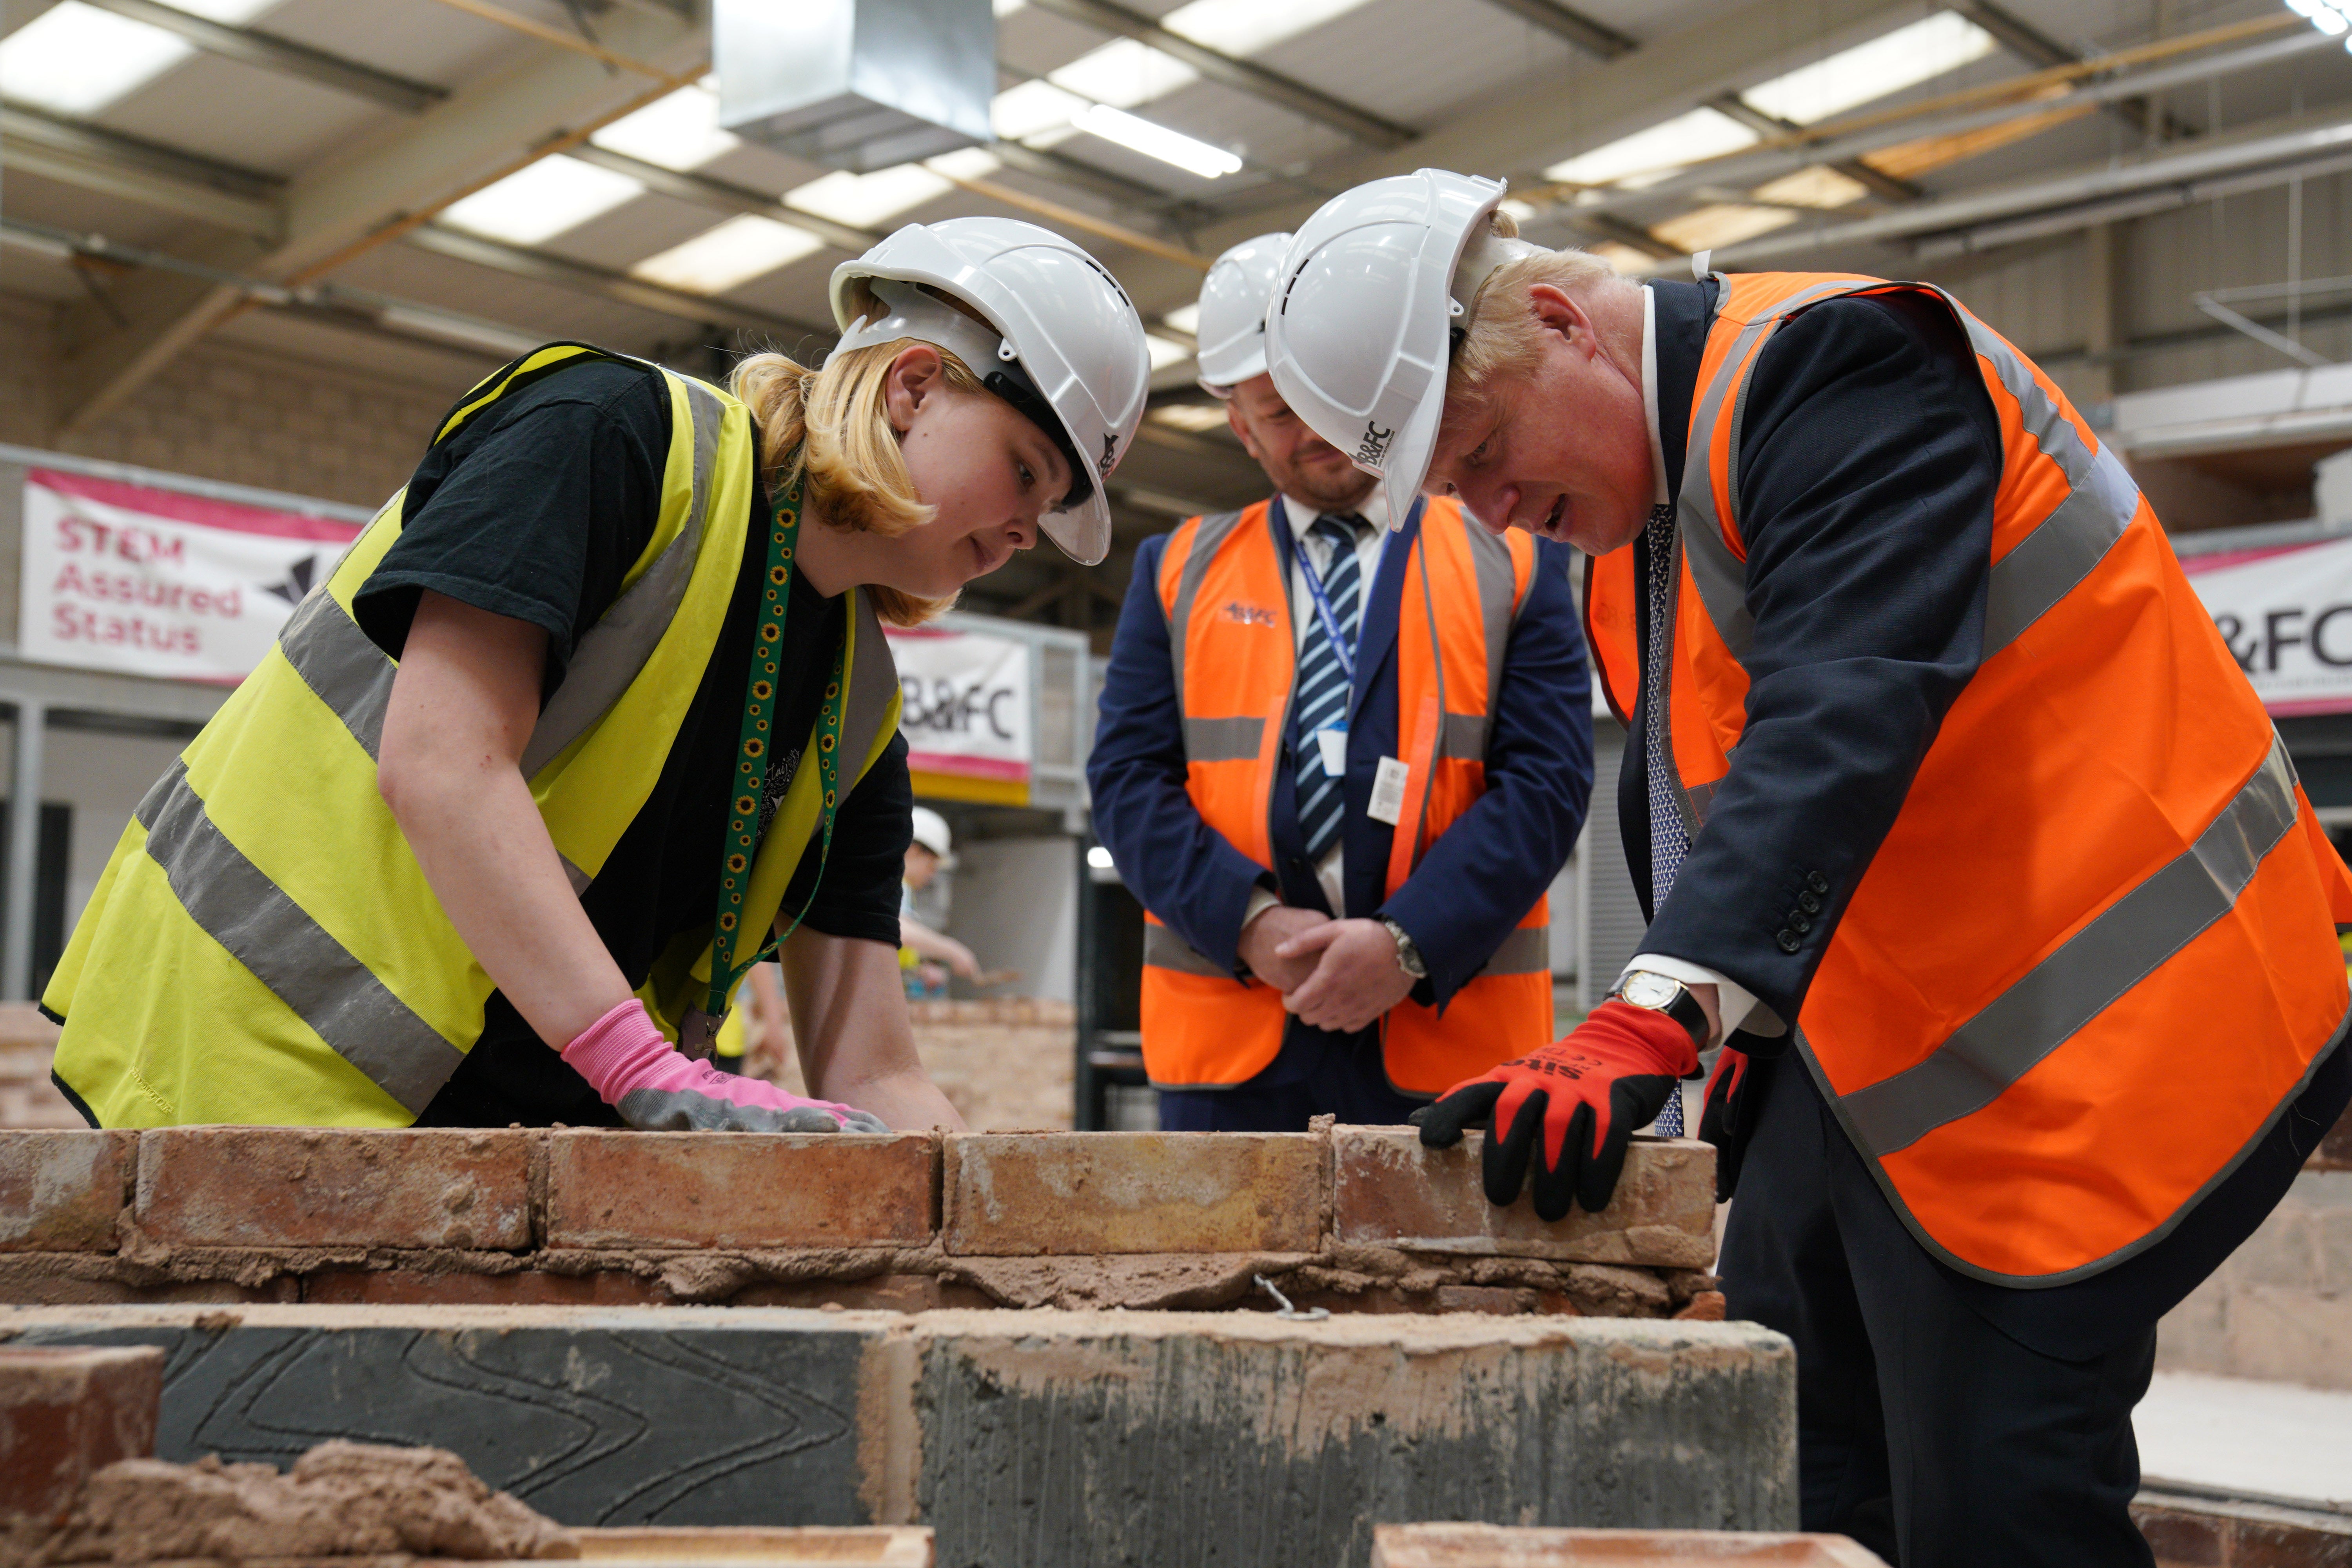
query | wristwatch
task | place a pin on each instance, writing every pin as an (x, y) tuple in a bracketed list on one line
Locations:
[(1663, 993), (1408, 956)]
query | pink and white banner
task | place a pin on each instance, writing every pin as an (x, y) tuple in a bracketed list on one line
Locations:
[(147, 581), (2286, 614), (965, 703)]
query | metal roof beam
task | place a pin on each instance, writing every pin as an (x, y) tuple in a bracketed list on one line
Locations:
[(283, 56), (1272, 87), (724, 196), (114, 164), (2031, 44), (580, 278), (1595, 39)]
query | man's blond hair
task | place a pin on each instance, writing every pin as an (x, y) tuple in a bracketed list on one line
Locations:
[(1501, 340), (831, 429)]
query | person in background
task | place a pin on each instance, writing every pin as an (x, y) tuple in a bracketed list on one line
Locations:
[(927, 957), (1345, 890), (597, 714)]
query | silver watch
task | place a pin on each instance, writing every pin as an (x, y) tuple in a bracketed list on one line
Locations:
[(1408, 955), (1663, 993)]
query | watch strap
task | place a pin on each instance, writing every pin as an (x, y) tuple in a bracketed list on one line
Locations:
[(1681, 1006)]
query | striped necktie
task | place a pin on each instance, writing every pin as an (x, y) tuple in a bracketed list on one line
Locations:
[(1669, 837), (1321, 697)]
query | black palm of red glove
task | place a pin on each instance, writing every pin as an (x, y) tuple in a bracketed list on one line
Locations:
[(1722, 1119), (1584, 1095)]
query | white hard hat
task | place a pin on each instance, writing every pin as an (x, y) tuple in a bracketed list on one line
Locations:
[(1361, 325), (1067, 349), (931, 833), (1232, 327)]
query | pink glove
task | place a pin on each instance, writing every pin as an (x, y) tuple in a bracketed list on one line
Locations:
[(657, 1088)]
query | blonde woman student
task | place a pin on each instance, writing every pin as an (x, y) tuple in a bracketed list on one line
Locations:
[(597, 713)]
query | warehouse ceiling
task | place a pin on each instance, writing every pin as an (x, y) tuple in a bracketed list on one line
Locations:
[(424, 187)]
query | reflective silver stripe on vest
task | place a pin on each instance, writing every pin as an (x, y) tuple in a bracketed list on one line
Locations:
[(1527, 951), (612, 652), (1206, 541), (1462, 735), (873, 681), (1163, 949), (1222, 740), (335, 659), (2055, 999), (1490, 558), (237, 905)]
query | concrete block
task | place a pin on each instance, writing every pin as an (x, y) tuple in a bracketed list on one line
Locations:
[(674, 1415), (1175, 1439), (62, 1191), (750, 1190), (1389, 1190), (65, 1411), (293, 1187), (1011, 1194)]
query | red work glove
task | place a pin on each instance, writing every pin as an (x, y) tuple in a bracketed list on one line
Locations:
[(1724, 1119), (659, 1088), (1586, 1094)]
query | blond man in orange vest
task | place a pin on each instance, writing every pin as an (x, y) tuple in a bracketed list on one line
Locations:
[(1339, 766), (1951, 811)]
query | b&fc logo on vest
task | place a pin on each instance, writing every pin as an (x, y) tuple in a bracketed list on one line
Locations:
[(1247, 614)]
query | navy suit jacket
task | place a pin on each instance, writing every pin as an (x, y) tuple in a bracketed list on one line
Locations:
[(1474, 883)]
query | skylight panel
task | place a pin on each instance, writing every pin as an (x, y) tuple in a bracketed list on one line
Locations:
[(1627, 262), (1902, 58), (541, 201), (1185, 319), (965, 163), (1246, 26), (680, 132), (729, 255), (1190, 416), (1711, 228), (1020, 112), (77, 59), (1164, 352), (864, 200), (1123, 73), (1646, 157), (1818, 187), (1156, 141)]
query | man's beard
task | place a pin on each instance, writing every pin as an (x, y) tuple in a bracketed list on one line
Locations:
[(1342, 491)]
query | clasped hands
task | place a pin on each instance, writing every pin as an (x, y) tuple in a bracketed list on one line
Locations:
[(1336, 974)]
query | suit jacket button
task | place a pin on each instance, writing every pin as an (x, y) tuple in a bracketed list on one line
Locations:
[(1788, 941), (1817, 882), (1798, 922), (1809, 902)]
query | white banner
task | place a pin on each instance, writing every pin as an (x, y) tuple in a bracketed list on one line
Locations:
[(966, 702), (156, 582), (2286, 614)]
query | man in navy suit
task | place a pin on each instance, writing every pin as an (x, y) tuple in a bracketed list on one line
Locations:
[(1252, 777)]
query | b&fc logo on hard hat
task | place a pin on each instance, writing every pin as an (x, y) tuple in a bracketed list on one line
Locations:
[(1110, 453), (1375, 444)]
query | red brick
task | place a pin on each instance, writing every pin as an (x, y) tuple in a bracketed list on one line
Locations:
[(1389, 1190), (527, 1287), (294, 1187), (62, 1191), (2313, 1542), (66, 1412), (2182, 1539), (1020, 1194), (742, 1189)]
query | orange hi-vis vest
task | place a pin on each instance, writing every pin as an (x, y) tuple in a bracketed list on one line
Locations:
[(2095, 957), (1226, 593)]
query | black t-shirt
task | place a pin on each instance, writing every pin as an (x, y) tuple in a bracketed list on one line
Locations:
[(536, 511)]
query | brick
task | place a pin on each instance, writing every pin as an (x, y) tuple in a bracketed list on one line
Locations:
[(295, 1187), (2335, 1150), (2181, 1538), (65, 1411), (740, 1190), (1389, 1190), (62, 1191), (527, 1288), (1020, 1194), (1497, 1546), (2313, 1542)]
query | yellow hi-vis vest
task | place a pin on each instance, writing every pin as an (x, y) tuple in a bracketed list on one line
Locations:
[(263, 947)]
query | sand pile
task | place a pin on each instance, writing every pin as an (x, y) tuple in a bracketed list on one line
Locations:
[(340, 1499)]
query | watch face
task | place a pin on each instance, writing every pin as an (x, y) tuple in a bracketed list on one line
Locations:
[(1646, 990)]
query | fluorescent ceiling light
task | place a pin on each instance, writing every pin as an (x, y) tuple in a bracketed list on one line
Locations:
[(1819, 186), (1036, 105), (1711, 228), (1156, 141), (864, 200), (965, 163), (1627, 262), (1902, 58), (1123, 74), (541, 201), (1185, 319), (1190, 416), (1164, 352), (1646, 157), (75, 60), (680, 132), (729, 255), (1246, 26)]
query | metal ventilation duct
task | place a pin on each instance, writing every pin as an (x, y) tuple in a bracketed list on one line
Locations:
[(855, 84)]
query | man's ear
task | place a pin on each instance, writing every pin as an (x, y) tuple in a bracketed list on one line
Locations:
[(1241, 429), (916, 375), (1559, 311)]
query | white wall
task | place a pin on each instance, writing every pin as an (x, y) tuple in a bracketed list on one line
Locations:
[(1016, 905), (102, 776)]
